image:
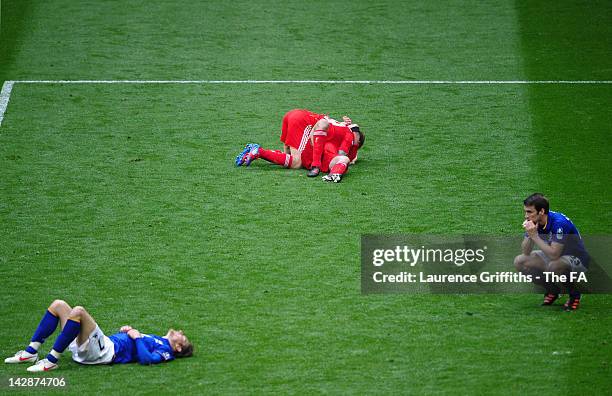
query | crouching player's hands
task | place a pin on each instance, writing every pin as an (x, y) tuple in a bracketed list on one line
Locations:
[(531, 228), (125, 329)]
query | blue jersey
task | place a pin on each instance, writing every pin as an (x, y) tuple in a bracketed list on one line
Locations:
[(560, 229), (149, 349)]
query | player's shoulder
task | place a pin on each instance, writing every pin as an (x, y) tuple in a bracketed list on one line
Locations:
[(559, 220), (164, 348), (154, 338), (558, 217)]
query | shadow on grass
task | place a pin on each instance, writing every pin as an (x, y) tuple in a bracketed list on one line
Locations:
[(14, 17)]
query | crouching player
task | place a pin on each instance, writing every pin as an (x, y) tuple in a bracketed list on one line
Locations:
[(88, 344), (561, 250)]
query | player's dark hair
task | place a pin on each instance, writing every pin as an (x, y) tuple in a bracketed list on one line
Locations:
[(186, 350), (537, 200), (361, 135)]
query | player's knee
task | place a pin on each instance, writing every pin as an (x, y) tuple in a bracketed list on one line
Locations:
[(343, 159), (296, 163), (339, 159), (322, 124), (519, 262), (58, 304), (77, 312), (559, 267)]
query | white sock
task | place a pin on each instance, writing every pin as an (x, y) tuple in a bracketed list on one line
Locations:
[(34, 345), (55, 354)]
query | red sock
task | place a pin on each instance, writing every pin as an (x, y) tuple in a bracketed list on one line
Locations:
[(339, 168), (319, 138), (276, 157)]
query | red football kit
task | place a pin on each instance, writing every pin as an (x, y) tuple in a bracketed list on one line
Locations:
[(297, 133), (297, 126), (327, 144)]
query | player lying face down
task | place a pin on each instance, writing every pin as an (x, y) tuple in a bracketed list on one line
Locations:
[(335, 146), (311, 141)]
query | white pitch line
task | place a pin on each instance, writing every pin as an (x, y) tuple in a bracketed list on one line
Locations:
[(416, 82), (5, 96), (7, 87)]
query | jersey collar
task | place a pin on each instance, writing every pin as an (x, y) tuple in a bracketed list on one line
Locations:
[(543, 228)]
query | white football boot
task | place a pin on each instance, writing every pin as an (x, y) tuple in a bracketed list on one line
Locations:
[(22, 357), (42, 365)]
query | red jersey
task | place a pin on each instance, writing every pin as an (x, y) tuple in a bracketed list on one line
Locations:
[(297, 133), (338, 134)]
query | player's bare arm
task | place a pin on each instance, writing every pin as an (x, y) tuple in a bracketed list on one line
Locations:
[(527, 246), (553, 250)]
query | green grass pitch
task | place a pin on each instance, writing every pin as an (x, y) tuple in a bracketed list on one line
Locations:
[(125, 198)]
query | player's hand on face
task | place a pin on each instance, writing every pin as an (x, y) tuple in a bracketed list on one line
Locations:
[(530, 228), (125, 329), (347, 120)]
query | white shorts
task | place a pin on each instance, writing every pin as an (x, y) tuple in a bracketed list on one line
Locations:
[(97, 349), (574, 262)]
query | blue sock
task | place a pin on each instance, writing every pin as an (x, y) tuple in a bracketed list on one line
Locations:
[(69, 333), (45, 328), (573, 293), (552, 288), (31, 350)]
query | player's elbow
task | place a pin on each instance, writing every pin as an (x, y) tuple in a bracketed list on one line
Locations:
[(322, 124), (144, 360), (343, 159)]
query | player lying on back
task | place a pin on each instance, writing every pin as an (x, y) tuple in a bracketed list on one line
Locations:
[(88, 344), (337, 144)]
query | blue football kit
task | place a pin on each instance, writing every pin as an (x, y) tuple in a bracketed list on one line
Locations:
[(560, 229), (149, 349)]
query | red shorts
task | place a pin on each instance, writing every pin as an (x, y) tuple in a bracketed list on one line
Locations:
[(330, 151), (297, 126), (307, 156)]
